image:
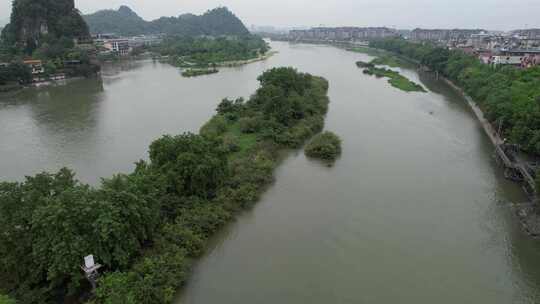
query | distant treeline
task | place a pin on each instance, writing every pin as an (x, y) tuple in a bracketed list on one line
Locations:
[(204, 52), (148, 226), (126, 22), (507, 94)]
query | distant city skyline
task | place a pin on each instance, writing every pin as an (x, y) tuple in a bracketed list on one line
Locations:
[(402, 14)]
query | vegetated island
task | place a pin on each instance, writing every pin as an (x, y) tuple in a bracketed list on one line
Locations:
[(207, 53), (199, 72), (325, 146), (146, 228), (394, 78)]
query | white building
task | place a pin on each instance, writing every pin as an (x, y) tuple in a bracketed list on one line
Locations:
[(507, 60), (118, 46)]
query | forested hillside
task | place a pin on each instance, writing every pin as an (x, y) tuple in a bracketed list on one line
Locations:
[(34, 21), (126, 22)]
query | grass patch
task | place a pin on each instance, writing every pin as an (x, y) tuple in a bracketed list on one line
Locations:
[(366, 50), (395, 78), (391, 61), (325, 146), (198, 72), (244, 141)]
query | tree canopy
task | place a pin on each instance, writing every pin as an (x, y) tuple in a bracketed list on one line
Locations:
[(32, 20), (124, 21), (205, 51)]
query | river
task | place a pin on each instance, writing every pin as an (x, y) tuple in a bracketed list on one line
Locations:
[(415, 211)]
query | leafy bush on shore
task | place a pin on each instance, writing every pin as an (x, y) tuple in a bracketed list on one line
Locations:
[(394, 78), (325, 146)]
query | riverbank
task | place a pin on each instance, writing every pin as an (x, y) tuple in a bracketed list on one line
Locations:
[(527, 213), (14, 89)]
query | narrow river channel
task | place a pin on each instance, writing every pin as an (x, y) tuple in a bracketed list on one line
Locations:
[(415, 211)]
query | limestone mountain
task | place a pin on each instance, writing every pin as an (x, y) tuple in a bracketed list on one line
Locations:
[(31, 20), (124, 21)]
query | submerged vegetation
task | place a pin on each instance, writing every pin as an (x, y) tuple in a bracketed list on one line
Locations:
[(325, 146), (394, 78), (147, 227), (507, 95)]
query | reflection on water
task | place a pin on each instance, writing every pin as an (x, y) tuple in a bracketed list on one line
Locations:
[(47, 128), (415, 211)]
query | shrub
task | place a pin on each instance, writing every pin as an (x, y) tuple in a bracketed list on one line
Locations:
[(230, 143), (326, 146), (215, 127), (249, 124)]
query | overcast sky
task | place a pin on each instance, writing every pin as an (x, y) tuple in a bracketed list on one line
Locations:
[(488, 14)]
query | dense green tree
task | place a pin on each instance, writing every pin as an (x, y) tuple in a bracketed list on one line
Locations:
[(206, 52), (15, 72), (6, 300), (193, 164), (32, 20), (52, 222)]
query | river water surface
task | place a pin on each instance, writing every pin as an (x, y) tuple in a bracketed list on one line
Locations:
[(415, 211)]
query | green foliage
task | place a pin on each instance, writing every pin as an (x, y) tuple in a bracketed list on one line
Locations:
[(15, 72), (152, 280), (148, 226), (116, 287), (215, 127), (326, 146), (6, 300), (30, 18), (192, 164), (45, 30), (362, 64), (250, 124), (395, 78), (506, 94), (67, 221), (124, 21), (199, 72), (207, 52), (389, 60)]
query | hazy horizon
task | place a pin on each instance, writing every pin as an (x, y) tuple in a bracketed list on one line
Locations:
[(485, 14)]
